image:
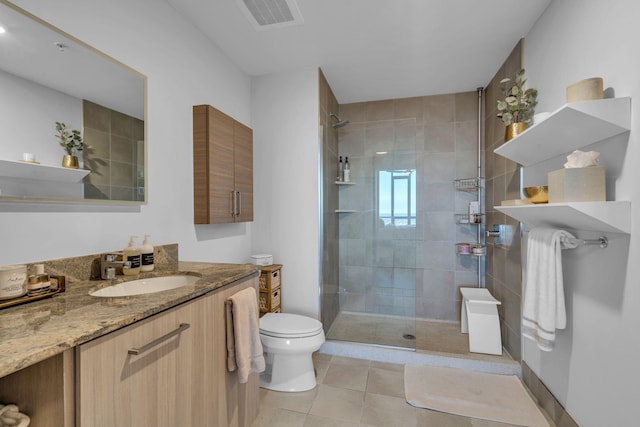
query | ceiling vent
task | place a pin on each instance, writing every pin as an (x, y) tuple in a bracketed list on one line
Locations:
[(271, 14)]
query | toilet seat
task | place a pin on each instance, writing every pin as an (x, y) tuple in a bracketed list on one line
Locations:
[(286, 325)]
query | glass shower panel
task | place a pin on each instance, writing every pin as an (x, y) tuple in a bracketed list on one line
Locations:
[(378, 241)]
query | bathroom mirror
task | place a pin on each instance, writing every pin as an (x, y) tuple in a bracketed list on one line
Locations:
[(47, 76)]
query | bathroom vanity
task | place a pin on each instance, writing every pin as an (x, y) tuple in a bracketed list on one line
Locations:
[(71, 360)]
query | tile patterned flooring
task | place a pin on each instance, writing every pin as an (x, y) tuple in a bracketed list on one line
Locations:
[(360, 392), (430, 336), (351, 393)]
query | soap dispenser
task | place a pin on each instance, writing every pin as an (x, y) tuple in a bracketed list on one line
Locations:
[(131, 258), (147, 262)]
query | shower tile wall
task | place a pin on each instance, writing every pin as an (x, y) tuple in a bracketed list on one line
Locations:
[(408, 271), (504, 267), (329, 104), (115, 154)]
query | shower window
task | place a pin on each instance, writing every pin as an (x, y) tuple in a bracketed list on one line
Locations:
[(397, 197)]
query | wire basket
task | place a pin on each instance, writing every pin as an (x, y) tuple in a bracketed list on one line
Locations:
[(468, 184), (467, 219)]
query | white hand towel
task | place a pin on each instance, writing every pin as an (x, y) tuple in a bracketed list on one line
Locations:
[(244, 349), (544, 309)]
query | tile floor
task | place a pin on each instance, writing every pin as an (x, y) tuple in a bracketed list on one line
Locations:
[(430, 336), (350, 393)]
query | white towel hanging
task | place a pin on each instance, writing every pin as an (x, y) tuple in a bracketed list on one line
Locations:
[(544, 308)]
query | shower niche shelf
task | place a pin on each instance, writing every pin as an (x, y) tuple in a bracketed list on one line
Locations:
[(344, 183), (345, 211)]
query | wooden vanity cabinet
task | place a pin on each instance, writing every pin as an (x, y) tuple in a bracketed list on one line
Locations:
[(222, 168), (182, 380), (44, 391)]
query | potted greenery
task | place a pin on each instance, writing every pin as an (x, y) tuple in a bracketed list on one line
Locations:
[(71, 141), (516, 109)]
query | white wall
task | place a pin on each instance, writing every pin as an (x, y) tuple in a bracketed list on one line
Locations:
[(183, 69), (593, 369), (31, 130), (285, 110)]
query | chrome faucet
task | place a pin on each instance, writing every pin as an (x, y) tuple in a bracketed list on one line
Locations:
[(109, 263)]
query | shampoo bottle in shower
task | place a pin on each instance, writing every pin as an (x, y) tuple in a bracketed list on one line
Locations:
[(347, 170), (340, 173), (131, 258)]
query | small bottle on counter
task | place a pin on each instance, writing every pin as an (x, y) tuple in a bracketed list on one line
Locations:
[(131, 259), (147, 261), (347, 170)]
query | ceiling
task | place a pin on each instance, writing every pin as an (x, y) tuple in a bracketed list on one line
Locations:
[(39, 53), (375, 49)]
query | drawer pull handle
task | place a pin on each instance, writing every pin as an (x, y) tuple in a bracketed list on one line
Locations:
[(147, 347)]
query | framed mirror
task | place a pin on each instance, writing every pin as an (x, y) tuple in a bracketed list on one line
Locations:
[(47, 76)]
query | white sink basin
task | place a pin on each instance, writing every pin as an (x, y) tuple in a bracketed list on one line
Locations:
[(145, 286)]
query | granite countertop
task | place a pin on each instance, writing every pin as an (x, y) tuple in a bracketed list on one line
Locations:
[(32, 332)]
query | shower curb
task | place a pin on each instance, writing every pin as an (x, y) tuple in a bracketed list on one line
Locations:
[(409, 356)]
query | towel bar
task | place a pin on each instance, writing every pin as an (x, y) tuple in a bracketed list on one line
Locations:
[(602, 241)]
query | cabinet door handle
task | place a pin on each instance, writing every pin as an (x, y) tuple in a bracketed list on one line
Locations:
[(239, 212), (233, 202), (147, 347)]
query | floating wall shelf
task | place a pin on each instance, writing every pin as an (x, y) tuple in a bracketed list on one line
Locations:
[(345, 211), (25, 170), (610, 217), (570, 127), (345, 183)]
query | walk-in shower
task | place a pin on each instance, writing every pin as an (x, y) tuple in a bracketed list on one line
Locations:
[(395, 223)]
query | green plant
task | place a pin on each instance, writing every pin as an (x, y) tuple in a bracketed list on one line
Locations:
[(518, 104), (70, 140)]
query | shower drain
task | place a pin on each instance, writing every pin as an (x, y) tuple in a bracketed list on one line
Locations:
[(409, 337)]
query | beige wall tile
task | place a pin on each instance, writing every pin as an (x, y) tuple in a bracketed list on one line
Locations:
[(122, 150), (438, 108), (122, 174), (439, 137), (466, 106), (354, 112), (95, 116), (408, 108), (466, 134), (121, 125), (379, 110)]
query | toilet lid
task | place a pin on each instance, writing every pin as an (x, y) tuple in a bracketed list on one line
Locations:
[(287, 325)]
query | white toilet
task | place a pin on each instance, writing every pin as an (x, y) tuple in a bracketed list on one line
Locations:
[(288, 341)]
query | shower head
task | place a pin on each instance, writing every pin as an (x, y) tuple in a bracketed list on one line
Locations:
[(339, 122)]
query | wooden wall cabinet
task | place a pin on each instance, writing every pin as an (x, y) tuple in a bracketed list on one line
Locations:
[(222, 168), (181, 380)]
